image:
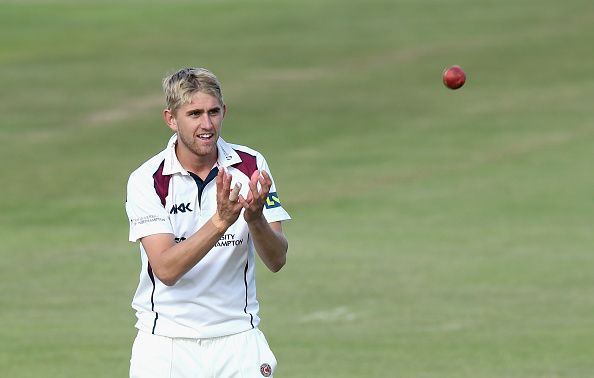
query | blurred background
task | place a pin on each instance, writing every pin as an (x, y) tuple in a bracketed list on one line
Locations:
[(435, 233)]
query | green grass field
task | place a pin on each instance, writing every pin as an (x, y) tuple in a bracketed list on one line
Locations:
[(436, 233)]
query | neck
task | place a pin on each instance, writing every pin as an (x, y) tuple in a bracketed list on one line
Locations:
[(200, 165)]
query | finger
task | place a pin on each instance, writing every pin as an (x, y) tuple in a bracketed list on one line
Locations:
[(246, 202), (253, 184), (253, 189), (219, 178), (243, 202), (267, 178), (235, 192), (219, 182), (226, 183), (255, 177), (264, 186)]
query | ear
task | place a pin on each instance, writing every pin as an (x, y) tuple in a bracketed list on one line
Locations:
[(169, 119), (224, 110)]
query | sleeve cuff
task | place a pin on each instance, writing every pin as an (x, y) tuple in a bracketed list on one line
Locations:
[(140, 231), (276, 215)]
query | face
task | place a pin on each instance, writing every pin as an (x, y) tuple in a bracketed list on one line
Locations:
[(198, 126)]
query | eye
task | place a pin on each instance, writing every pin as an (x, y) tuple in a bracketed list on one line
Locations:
[(213, 112)]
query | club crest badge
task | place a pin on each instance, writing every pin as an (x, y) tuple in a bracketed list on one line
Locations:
[(266, 370)]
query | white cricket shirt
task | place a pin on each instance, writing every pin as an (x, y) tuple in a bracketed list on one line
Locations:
[(217, 297)]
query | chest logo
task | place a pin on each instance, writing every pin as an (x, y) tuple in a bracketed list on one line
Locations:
[(181, 208), (228, 240)]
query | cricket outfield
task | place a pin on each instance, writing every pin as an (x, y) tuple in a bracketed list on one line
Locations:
[(435, 233)]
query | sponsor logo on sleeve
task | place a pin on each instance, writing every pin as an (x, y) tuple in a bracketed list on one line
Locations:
[(146, 219), (272, 201)]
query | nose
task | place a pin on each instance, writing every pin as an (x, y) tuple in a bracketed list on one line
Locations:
[(206, 122)]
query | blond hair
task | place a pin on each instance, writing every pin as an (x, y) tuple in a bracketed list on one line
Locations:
[(180, 86)]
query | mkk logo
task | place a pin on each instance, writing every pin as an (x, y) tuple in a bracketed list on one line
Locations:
[(180, 208)]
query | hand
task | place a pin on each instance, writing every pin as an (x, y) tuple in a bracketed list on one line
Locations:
[(228, 206), (254, 204)]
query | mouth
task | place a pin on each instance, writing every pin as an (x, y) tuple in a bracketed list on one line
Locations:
[(205, 136)]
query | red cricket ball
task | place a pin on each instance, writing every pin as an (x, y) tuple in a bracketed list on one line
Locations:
[(454, 77)]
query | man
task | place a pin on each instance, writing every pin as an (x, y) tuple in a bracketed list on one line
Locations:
[(200, 209)]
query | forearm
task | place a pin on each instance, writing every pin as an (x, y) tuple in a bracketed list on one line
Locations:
[(172, 263), (270, 242)]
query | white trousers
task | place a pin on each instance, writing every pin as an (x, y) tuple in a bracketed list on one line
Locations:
[(243, 355)]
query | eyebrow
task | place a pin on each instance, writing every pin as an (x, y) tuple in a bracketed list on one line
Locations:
[(198, 110)]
